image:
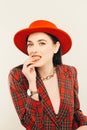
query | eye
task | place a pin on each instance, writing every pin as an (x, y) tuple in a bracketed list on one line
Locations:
[(29, 44), (42, 43)]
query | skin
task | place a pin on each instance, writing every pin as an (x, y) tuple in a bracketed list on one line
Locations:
[(82, 128), (41, 49)]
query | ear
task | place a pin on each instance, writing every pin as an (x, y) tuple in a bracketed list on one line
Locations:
[(57, 46)]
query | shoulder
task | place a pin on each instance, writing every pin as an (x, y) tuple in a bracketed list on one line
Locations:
[(16, 71), (67, 69), (17, 79)]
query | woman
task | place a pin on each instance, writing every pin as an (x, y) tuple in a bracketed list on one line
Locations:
[(45, 91)]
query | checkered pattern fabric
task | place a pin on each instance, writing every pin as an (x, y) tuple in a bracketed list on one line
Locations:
[(40, 115)]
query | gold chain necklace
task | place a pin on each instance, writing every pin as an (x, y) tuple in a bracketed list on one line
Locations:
[(49, 76)]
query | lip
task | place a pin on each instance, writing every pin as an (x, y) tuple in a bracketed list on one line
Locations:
[(36, 56)]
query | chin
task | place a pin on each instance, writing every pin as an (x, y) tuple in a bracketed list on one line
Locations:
[(38, 65)]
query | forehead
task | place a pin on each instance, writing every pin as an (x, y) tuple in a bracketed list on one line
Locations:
[(39, 35)]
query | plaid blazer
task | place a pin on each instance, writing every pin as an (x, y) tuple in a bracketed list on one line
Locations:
[(39, 115)]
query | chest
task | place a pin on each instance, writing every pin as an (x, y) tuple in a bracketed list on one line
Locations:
[(52, 89)]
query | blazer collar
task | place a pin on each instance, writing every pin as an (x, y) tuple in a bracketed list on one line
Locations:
[(63, 108)]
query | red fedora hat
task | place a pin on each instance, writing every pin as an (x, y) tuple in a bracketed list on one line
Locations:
[(42, 26)]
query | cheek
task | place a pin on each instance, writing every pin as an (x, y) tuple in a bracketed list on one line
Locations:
[(48, 50), (48, 53), (29, 51)]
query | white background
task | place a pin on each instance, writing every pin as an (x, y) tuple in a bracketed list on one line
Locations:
[(70, 15)]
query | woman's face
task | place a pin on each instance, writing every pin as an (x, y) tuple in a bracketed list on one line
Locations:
[(41, 46)]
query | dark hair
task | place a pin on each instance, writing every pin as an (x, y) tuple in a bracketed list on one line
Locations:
[(57, 58)]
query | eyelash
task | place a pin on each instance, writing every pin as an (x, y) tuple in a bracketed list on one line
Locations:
[(31, 44), (42, 43)]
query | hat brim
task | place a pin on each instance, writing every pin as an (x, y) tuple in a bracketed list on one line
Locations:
[(63, 37)]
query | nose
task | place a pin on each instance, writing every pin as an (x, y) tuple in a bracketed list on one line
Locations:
[(34, 50)]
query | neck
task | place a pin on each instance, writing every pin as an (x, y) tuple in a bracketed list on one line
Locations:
[(46, 70)]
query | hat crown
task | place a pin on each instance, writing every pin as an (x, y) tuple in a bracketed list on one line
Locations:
[(42, 24)]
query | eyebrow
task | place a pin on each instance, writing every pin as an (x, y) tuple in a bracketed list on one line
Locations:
[(38, 40)]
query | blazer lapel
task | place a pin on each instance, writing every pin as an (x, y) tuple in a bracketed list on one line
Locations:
[(63, 108), (45, 100)]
